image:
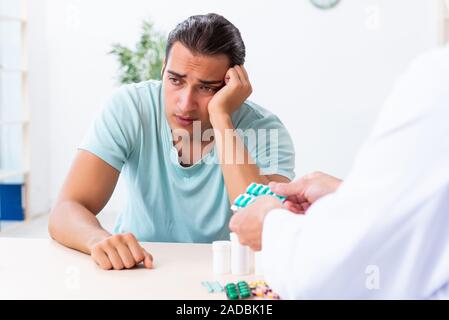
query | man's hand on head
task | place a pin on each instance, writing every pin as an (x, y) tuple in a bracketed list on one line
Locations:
[(232, 95), (247, 223)]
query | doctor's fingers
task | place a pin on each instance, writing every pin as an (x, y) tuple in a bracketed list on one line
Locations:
[(295, 188), (293, 207)]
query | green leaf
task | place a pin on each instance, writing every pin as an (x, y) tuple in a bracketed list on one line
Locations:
[(145, 61)]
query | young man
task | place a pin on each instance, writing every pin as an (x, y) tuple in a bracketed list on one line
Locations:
[(172, 141), (382, 233)]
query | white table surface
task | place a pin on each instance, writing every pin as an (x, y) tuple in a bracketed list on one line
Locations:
[(44, 269)]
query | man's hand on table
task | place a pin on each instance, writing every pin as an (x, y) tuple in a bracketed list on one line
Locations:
[(120, 251)]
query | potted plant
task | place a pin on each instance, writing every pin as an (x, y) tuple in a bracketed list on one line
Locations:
[(145, 61)]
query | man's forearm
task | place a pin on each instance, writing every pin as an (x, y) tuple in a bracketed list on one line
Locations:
[(74, 226), (238, 168)]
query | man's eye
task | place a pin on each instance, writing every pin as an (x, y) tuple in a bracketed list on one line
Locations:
[(208, 89), (174, 81)]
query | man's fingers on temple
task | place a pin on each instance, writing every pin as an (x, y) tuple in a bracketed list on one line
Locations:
[(241, 74), (245, 73), (234, 74)]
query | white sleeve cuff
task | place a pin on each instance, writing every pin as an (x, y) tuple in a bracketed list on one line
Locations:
[(279, 238), (279, 227)]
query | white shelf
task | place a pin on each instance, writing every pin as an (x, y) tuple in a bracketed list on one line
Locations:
[(13, 19), (3, 69), (5, 174), (14, 123)]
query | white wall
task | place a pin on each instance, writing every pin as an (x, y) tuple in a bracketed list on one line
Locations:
[(326, 74)]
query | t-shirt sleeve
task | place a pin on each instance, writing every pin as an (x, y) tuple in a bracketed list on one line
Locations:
[(113, 134), (272, 149)]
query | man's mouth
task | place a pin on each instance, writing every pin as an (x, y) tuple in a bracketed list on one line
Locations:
[(185, 121)]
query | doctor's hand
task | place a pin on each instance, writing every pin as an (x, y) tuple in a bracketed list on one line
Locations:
[(232, 95), (247, 223), (120, 251), (304, 191)]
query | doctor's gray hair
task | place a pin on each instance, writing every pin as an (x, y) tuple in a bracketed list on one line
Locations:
[(209, 35)]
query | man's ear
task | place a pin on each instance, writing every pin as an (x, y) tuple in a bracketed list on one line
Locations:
[(164, 63)]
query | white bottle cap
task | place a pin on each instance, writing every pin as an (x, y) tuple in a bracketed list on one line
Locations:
[(239, 256), (221, 257), (258, 263)]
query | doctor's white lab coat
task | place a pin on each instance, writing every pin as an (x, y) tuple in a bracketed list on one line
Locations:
[(385, 233)]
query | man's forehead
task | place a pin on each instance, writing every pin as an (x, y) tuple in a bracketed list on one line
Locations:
[(183, 62)]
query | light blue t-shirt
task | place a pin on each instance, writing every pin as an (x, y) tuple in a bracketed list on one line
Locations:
[(168, 202)]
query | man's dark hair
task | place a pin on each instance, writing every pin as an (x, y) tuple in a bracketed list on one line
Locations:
[(210, 35)]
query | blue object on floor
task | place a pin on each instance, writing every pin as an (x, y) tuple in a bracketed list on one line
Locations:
[(11, 201)]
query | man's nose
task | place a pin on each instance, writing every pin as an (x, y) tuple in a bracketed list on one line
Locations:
[(187, 101)]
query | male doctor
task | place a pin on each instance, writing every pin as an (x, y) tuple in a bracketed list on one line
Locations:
[(383, 233)]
